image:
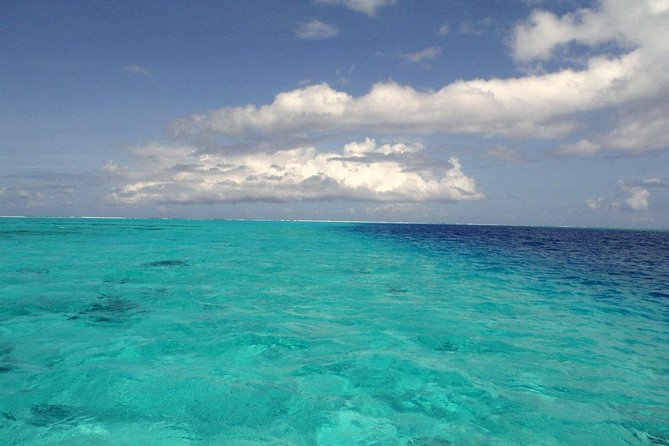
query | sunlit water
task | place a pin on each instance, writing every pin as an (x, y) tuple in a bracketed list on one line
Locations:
[(211, 332)]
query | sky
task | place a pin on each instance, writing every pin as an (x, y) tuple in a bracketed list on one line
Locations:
[(518, 112)]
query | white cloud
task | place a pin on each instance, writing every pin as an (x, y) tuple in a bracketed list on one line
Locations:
[(632, 196), (534, 106), (368, 7), (632, 24), (136, 69), (475, 28), (315, 30), (597, 203), (429, 53), (637, 27), (443, 30), (361, 171), (544, 31), (636, 132), (369, 146), (638, 198)]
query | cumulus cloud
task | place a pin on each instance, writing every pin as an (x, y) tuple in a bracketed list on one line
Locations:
[(537, 106), (637, 28), (360, 171), (632, 196), (315, 30), (637, 199), (544, 32), (637, 24), (541, 105), (429, 53), (265, 152), (368, 7)]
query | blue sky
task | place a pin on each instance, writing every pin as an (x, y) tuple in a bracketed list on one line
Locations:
[(509, 112)]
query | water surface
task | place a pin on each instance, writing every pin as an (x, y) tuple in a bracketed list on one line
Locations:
[(286, 333)]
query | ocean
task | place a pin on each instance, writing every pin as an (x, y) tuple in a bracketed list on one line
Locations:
[(176, 332)]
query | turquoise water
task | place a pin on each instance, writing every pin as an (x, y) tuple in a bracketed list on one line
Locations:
[(286, 333)]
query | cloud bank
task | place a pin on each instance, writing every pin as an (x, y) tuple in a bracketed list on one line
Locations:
[(528, 106), (361, 171)]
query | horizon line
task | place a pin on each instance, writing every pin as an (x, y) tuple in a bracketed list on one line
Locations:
[(388, 222)]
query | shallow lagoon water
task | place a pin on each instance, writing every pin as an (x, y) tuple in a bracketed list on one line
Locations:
[(296, 333)]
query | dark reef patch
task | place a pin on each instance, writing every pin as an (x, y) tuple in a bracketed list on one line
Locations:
[(166, 263), (654, 439), (447, 346), (5, 360), (108, 309), (428, 442), (48, 415), (6, 419), (118, 281), (441, 343), (32, 271)]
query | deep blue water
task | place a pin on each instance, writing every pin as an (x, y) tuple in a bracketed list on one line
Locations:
[(295, 333)]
